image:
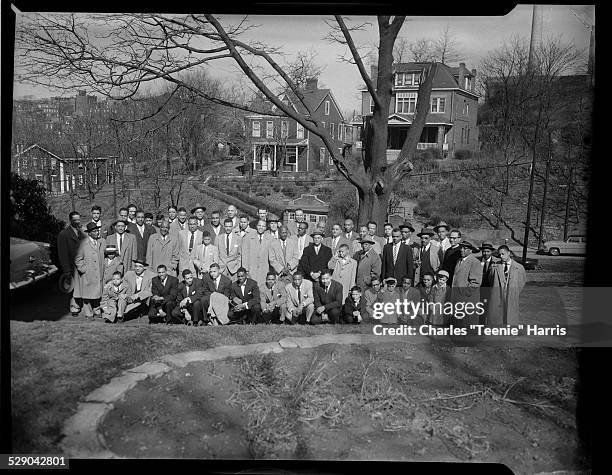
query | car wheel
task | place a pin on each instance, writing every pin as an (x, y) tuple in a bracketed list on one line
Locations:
[(554, 251)]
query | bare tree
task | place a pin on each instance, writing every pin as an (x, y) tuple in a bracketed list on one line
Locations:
[(133, 50), (446, 48)]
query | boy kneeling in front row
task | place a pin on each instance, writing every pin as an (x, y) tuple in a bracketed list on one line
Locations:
[(354, 308)]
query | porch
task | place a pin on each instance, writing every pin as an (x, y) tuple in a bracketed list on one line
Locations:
[(279, 158)]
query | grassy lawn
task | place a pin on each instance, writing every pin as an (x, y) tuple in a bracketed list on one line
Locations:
[(55, 364)]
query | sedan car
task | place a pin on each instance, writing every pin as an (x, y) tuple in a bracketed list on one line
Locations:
[(575, 244), (30, 262)]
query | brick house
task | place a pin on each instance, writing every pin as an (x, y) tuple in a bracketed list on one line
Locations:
[(451, 123), (280, 144)]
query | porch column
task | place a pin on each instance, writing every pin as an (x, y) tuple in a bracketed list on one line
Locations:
[(297, 159), (440, 140), (62, 177), (254, 155), (274, 157)]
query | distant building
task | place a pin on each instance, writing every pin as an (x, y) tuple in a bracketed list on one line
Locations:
[(451, 122), (61, 174), (315, 210), (281, 144)]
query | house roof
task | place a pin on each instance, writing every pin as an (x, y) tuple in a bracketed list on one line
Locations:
[(313, 98), (308, 203), (33, 146)]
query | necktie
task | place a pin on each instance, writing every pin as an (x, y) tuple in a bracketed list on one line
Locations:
[(191, 241), (284, 245), (299, 296), (486, 267), (120, 242), (217, 283), (260, 238), (227, 244), (506, 270), (395, 251), (317, 250)]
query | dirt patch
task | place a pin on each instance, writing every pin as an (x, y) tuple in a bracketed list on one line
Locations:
[(385, 402)]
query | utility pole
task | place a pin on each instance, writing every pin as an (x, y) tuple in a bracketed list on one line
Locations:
[(567, 203), (543, 212), (536, 36)]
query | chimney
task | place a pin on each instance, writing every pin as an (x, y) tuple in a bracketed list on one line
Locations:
[(473, 80), (373, 71), (461, 79), (311, 84)]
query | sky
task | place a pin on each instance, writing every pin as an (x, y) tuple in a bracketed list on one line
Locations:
[(476, 37)]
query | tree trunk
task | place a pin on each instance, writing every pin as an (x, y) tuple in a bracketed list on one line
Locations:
[(373, 206)]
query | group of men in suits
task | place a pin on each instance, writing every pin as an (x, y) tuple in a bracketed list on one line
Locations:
[(200, 270)]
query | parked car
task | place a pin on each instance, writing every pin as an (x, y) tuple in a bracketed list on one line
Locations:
[(30, 262), (575, 244)]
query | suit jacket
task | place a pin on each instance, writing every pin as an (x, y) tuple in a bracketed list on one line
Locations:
[(312, 262), (351, 237), (196, 291), (251, 293), (141, 241), (274, 297), (349, 307), (164, 252), (328, 241), (168, 291), (487, 277), (175, 226), (230, 262), (146, 286), (129, 250), (186, 258), (307, 241), (356, 247), (367, 266), (67, 246), (434, 260), (307, 294), (204, 258), (255, 256), (451, 256), (466, 280), (331, 299), (225, 285), (279, 260), (404, 265)]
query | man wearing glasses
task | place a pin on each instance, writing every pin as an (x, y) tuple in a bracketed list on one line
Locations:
[(452, 254)]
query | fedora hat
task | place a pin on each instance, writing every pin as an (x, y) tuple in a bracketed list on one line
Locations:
[(315, 232), (140, 261), (110, 249), (468, 244), (65, 283), (367, 240), (426, 231), (407, 225), (487, 245), (91, 227), (198, 206), (120, 220), (441, 224)]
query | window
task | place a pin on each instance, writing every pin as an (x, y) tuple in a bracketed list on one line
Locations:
[(291, 156), (438, 104), (468, 135), (371, 105), (405, 102), (468, 83), (571, 239), (326, 107), (322, 155), (340, 131), (300, 131), (269, 129), (256, 128), (284, 129), (331, 160), (312, 218), (331, 129), (467, 108), (323, 124), (407, 79)]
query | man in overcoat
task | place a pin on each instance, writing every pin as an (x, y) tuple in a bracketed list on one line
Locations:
[(68, 241), (508, 280), (89, 272)]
